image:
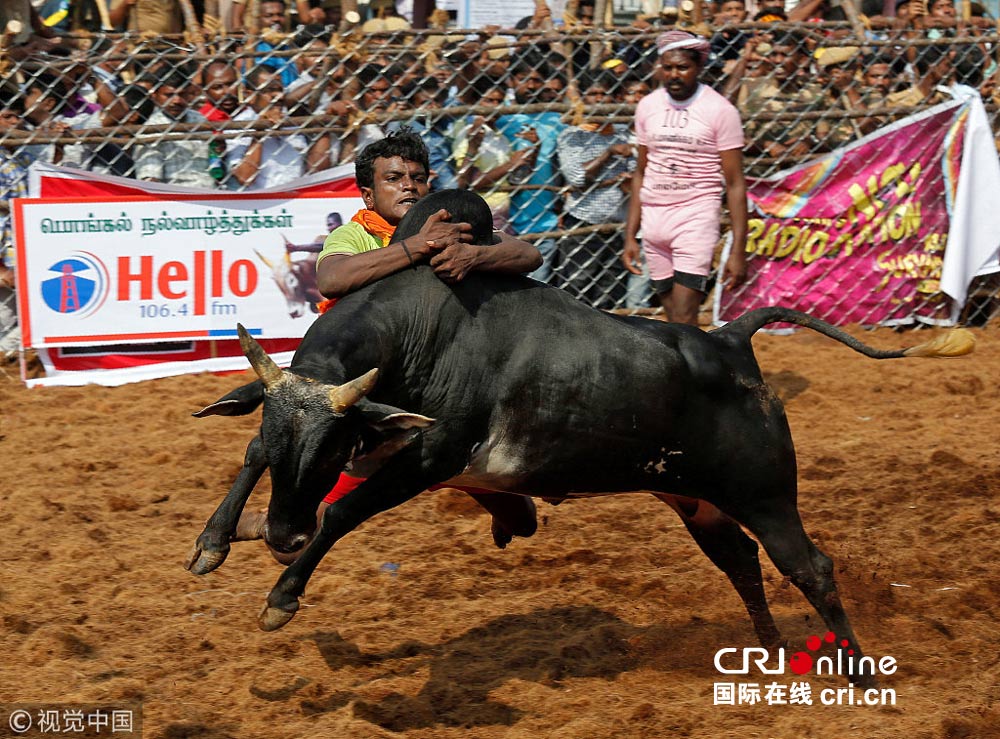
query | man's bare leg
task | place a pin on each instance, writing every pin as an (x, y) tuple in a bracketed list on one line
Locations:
[(681, 304)]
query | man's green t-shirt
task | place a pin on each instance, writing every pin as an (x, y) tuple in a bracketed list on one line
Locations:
[(350, 239)]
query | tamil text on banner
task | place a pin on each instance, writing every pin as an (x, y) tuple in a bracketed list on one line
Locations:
[(145, 281), (881, 231)]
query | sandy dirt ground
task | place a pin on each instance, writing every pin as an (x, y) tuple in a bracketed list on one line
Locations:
[(605, 624)]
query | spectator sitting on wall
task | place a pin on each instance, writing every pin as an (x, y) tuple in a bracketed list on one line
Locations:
[(934, 71), (596, 160), (534, 209), (45, 98), (220, 85), (132, 106), (178, 162), (838, 68), (483, 156), (269, 159), (425, 98)]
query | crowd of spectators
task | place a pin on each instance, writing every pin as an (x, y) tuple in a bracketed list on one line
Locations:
[(297, 93)]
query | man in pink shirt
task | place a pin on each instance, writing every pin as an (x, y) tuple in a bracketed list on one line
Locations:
[(690, 145)]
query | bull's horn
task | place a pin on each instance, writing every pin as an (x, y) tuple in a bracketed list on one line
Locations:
[(264, 259), (344, 396), (262, 364)]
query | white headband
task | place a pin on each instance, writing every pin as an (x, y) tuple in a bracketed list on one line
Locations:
[(688, 43)]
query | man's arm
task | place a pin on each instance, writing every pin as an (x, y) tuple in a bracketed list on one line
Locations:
[(631, 256), (736, 200), (120, 11), (236, 16), (318, 154), (509, 255), (39, 27), (340, 274), (247, 168)]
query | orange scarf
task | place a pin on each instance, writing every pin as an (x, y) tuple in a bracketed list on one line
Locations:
[(374, 224)]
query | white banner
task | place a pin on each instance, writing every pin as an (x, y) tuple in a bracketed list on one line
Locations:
[(108, 271), (503, 13), (173, 270)]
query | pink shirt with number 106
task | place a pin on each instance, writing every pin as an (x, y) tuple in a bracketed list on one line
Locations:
[(683, 141)]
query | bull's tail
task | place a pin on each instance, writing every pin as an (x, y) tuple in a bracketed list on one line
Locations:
[(954, 343)]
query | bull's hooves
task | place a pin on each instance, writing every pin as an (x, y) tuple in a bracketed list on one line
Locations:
[(501, 536), (272, 619), (201, 562)]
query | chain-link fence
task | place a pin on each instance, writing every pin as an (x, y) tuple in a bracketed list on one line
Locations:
[(497, 112)]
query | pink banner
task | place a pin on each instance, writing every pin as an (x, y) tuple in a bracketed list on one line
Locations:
[(859, 235)]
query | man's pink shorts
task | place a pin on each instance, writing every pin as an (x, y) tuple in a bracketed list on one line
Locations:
[(680, 238)]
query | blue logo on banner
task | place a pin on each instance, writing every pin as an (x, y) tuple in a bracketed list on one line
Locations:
[(79, 284)]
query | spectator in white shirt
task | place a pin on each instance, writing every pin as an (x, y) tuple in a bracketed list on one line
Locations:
[(266, 160), (178, 162)]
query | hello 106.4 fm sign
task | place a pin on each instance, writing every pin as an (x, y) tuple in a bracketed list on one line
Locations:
[(145, 269)]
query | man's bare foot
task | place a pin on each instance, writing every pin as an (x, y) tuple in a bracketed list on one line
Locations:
[(251, 525)]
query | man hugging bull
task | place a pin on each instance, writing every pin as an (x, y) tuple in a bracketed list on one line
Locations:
[(393, 175)]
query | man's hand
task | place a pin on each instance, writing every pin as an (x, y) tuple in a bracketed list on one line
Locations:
[(274, 114), (734, 273), (528, 133), (341, 108), (476, 133), (454, 262), (632, 256), (438, 234)]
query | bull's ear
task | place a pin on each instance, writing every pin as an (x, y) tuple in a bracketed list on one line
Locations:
[(395, 430), (387, 418), (239, 402)]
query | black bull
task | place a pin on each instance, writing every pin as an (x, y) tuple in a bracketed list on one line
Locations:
[(509, 385)]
